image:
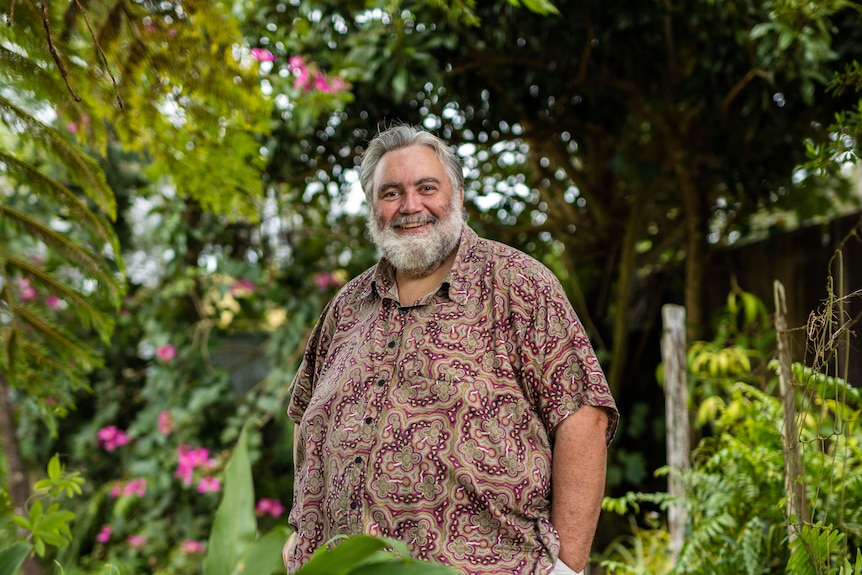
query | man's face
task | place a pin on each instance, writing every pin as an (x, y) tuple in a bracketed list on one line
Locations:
[(416, 215)]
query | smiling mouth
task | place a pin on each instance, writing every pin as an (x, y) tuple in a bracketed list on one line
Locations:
[(408, 225)]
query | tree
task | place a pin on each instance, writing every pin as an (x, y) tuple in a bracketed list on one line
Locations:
[(170, 80), (631, 139)]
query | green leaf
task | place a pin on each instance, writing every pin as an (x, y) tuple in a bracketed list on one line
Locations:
[(54, 468), (12, 557), (406, 568), (264, 557), (344, 557), (235, 525)]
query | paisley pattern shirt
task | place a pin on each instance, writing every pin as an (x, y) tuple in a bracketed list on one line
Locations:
[(432, 422)]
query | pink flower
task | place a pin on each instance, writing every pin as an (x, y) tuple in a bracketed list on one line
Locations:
[(105, 534), (166, 423), (190, 547), (72, 127), (27, 291), (137, 541), (166, 352), (52, 301), (117, 489), (190, 459), (110, 438), (135, 487), (262, 55), (303, 80), (271, 506), (296, 63), (321, 84), (337, 84), (326, 280), (241, 288), (209, 484)]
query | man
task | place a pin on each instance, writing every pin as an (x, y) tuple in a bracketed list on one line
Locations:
[(448, 396)]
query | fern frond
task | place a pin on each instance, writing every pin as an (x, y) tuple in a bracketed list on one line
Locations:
[(79, 212), (68, 344), (89, 315), (91, 264), (83, 168)]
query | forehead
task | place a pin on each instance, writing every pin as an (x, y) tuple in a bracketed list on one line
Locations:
[(408, 163)]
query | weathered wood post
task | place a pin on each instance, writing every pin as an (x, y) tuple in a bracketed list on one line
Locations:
[(794, 482), (673, 347)]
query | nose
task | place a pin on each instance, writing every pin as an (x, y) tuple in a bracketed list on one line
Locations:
[(411, 202)]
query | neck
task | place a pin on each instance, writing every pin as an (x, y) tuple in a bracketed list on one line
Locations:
[(414, 286)]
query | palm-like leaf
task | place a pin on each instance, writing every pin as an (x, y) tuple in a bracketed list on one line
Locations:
[(48, 179)]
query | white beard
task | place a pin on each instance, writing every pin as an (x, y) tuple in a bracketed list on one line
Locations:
[(420, 254)]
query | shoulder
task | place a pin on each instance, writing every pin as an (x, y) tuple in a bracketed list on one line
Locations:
[(513, 267)]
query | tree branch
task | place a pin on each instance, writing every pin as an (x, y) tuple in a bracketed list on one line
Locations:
[(54, 54)]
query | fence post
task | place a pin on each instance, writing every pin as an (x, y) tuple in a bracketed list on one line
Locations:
[(673, 347), (794, 484)]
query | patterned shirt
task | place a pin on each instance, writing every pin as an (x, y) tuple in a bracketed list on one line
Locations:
[(432, 423)]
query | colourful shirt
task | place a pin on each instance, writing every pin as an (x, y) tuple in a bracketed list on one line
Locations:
[(432, 422)]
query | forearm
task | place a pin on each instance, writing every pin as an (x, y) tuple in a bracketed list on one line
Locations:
[(578, 482)]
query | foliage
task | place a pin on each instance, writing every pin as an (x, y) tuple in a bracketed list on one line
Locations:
[(51, 526), (234, 543), (618, 142), (643, 551), (735, 491), (12, 557)]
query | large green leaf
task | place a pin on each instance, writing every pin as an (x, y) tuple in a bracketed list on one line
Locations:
[(264, 557), (12, 557), (235, 526)]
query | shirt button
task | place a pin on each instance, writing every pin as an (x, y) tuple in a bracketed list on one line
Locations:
[(357, 460), (392, 343), (368, 420), (381, 382), (354, 505)]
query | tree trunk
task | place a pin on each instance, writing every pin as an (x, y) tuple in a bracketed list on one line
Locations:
[(695, 232), (19, 484), (624, 290)]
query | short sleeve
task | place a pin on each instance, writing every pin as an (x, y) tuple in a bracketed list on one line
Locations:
[(559, 365)]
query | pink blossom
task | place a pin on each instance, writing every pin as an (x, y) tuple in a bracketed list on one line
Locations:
[(209, 484), (326, 280), (271, 506), (166, 423), (337, 84), (105, 534), (303, 80), (296, 63), (116, 489), (52, 301), (166, 352), (135, 487), (241, 287), (110, 438), (190, 547), (137, 541), (27, 291), (321, 84), (72, 127), (189, 460), (262, 55)]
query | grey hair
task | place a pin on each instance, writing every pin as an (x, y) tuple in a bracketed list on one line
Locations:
[(403, 136)]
